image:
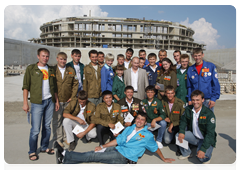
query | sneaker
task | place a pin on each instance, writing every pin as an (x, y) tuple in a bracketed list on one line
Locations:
[(160, 146), (72, 146), (207, 162), (184, 157), (58, 151)]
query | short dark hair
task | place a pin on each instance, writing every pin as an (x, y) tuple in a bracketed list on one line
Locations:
[(100, 52), (177, 51), (120, 67), (142, 114), (162, 50), (92, 52), (150, 88), (140, 58), (120, 55), (128, 88), (44, 50), (152, 55), (130, 50), (76, 51), (141, 51), (106, 92), (197, 50), (82, 95), (184, 56), (169, 88), (196, 93)]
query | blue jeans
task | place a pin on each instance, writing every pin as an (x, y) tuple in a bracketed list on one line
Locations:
[(189, 136), (110, 156), (161, 130), (40, 113), (206, 101), (169, 136)]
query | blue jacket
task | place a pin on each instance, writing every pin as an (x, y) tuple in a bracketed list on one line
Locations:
[(107, 75), (206, 81), (152, 76), (137, 145), (146, 63)]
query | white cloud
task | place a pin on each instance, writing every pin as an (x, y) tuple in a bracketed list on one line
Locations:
[(23, 22), (204, 33)]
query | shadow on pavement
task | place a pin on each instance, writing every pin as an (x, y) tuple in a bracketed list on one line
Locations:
[(231, 141)]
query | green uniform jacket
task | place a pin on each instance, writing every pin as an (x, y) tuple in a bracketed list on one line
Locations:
[(81, 68), (178, 109), (32, 82), (118, 88), (103, 117), (156, 103), (170, 79), (73, 108), (68, 86), (135, 104), (206, 124), (90, 84), (181, 91)]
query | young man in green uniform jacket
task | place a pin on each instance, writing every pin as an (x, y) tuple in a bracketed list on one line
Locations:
[(79, 112), (201, 123), (181, 91), (118, 84), (106, 116), (155, 112), (130, 104)]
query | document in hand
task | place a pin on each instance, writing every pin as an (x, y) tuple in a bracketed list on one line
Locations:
[(156, 127), (128, 118), (184, 144), (78, 129), (118, 128), (102, 150), (161, 86)]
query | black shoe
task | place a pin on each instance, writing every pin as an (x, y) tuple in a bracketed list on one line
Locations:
[(178, 153), (58, 151), (72, 146)]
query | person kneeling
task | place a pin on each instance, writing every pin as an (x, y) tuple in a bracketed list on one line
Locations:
[(132, 143), (79, 112)]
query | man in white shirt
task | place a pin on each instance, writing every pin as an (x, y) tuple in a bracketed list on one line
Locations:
[(79, 112), (137, 78), (77, 66), (67, 85), (201, 123)]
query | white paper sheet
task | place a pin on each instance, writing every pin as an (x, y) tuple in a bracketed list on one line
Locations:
[(102, 150), (78, 129), (156, 127), (118, 128), (129, 118), (184, 144)]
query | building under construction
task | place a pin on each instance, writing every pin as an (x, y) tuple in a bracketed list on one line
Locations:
[(106, 32)]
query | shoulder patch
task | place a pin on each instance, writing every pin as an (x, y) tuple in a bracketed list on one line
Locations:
[(212, 120)]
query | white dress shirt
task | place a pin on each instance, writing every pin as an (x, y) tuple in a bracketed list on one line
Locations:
[(62, 70), (126, 64), (80, 114), (195, 127), (134, 78), (129, 104), (132, 134)]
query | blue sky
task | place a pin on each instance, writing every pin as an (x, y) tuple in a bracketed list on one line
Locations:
[(214, 25)]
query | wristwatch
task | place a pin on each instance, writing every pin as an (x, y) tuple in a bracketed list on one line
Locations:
[(101, 146)]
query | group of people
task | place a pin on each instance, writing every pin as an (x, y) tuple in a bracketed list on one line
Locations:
[(179, 97)]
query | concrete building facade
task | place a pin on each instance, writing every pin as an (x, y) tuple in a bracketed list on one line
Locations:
[(99, 32)]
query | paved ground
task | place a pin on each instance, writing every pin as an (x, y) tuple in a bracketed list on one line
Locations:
[(16, 132)]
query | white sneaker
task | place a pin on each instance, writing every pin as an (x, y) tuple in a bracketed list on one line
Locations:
[(208, 162), (160, 146), (183, 157)]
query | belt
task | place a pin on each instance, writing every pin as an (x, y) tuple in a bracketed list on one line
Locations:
[(130, 161)]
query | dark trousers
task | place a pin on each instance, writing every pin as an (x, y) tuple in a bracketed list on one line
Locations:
[(101, 130)]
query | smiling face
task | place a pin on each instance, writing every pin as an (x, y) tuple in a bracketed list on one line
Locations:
[(108, 99), (120, 60), (109, 62), (150, 94), (166, 65), (129, 94), (177, 57), (143, 55), (93, 57), (128, 55), (198, 57), (43, 58), (170, 94), (162, 55), (152, 61), (141, 63), (135, 63), (76, 58), (197, 102), (100, 58), (140, 121), (184, 63)]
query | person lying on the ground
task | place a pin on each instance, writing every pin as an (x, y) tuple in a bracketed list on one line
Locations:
[(132, 143)]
